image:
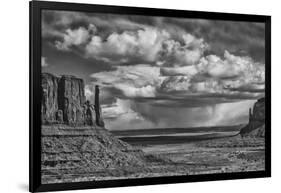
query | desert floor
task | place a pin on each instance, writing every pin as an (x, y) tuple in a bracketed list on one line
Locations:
[(223, 155), (218, 155)]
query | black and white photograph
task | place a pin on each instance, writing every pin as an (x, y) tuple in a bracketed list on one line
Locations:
[(136, 96)]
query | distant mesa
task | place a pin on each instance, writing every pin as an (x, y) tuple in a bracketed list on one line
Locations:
[(256, 125), (64, 102)]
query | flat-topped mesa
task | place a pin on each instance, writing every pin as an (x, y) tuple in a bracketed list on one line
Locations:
[(64, 102), (256, 125)]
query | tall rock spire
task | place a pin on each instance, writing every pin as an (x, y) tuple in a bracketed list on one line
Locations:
[(250, 114), (99, 120)]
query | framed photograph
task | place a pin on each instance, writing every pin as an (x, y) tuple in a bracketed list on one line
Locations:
[(126, 96)]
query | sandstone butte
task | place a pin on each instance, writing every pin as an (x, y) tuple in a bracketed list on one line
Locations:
[(256, 124), (63, 101)]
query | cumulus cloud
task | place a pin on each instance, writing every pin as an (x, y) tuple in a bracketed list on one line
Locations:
[(241, 38), (133, 81), (74, 37), (187, 52), (150, 45), (142, 44), (213, 75), (231, 66), (53, 22), (44, 62), (135, 42), (232, 77)]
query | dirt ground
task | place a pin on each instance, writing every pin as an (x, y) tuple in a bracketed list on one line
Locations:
[(232, 154), (225, 155)]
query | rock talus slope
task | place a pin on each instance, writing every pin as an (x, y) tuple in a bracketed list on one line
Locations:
[(84, 153)]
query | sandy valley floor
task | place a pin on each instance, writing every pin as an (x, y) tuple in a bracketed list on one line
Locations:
[(232, 154)]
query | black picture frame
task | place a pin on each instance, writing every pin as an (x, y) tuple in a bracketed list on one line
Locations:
[(35, 96)]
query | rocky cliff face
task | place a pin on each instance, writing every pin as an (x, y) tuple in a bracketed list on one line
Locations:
[(99, 119), (49, 107), (256, 125), (63, 101), (71, 99)]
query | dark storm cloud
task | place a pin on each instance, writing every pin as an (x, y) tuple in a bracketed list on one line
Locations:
[(181, 100), (161, 116), (249, 89), (60, 63), (55, 22), (241, 38)]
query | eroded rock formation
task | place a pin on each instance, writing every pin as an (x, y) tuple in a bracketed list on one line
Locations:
[(49, 105), (99, 120), (256, 125), (71, 99), (90, 114), (63, 101)]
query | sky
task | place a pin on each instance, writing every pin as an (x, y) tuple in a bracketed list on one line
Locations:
[(159, 72)]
